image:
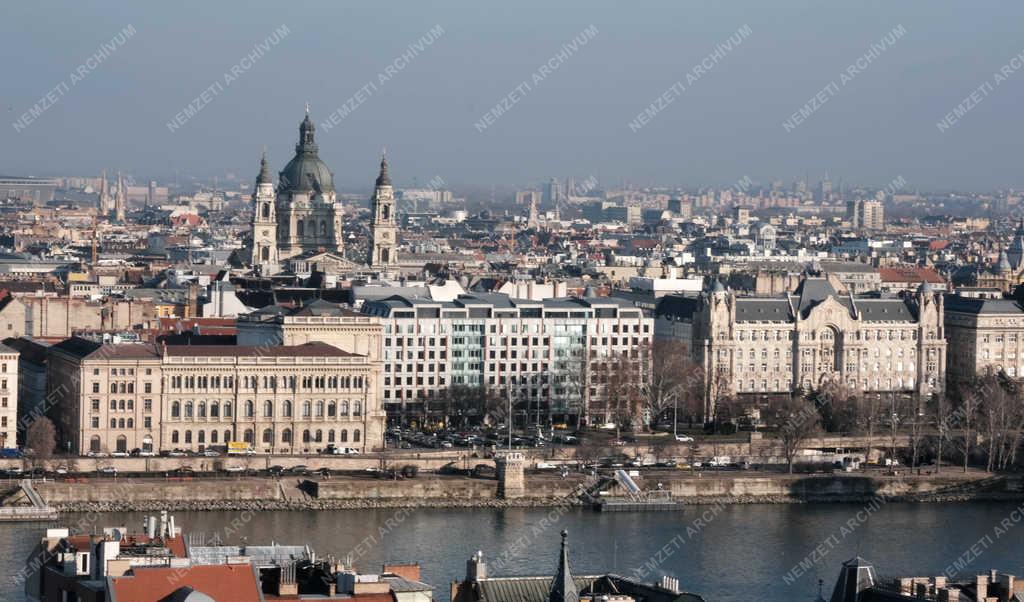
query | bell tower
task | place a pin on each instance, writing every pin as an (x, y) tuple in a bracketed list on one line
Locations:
[(264, 223), (383, 228)]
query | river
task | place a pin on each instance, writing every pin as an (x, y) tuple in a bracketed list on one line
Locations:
[(727, 553)]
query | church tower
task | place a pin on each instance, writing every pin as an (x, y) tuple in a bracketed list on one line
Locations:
[(264, 223), (119, 199), (383, 230), (104, 195)]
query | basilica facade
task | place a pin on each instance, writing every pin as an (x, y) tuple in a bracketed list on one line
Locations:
[(302, 214)]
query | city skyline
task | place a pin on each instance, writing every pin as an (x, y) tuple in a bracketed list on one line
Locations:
[(890, 95)]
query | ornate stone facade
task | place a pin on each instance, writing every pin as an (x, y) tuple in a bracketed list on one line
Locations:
[(765, 346)]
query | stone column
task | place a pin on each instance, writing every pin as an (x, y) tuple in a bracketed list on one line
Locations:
[(511, 483)]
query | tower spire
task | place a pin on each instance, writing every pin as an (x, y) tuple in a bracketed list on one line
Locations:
[(264, 177), (563, 586), (384, 179)]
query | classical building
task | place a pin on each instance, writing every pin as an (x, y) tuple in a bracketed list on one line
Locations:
[(986, 333), (306, 211), (277, 398), (8, 396), (767, 346), (383, 228)]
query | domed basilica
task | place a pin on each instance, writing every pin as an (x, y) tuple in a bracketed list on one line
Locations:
[(303, 216)]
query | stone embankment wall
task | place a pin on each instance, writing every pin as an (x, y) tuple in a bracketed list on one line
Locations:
[(290, 493)]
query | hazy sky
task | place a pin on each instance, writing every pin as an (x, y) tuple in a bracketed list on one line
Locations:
[(719, 126)]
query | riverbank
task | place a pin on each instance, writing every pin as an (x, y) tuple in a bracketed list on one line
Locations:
[(542, 491)]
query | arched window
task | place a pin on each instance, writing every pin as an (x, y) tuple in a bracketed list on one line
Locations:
[(250, 411), (214, 410), (122, 444), (286, 436), (286, 408), (94, 443), (266, 210), (113, 423), (174, 436), (249, 437), (121, 404), (131, 423), (305, 436), (300, 228), (188, 436), (268, 436), (265, 253), (332, 409), (201, 436), (227, 410), (320, 409), (330, 436), (307, 408), (268, 409), (355, 436), (227, 436), (188, 409), (344, 408), (357, 408), (319, 436), (343, 436), (213, 436), (202, 409), (323, 228), (120, 423)]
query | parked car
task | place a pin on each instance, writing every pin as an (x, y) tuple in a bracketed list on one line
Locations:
[(107, 470), (300, 469), (96, 454), (61, 470), (177, 453), (183, 471), (119, 454), (234, 469), (684, 439), (211, 453), (276, 470)]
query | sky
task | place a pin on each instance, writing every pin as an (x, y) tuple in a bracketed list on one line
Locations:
[(456, 106)]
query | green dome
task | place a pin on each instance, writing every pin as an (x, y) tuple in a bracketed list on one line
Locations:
[(306, 172)]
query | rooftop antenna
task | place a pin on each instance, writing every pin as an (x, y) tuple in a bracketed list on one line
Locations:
[(307, 107)]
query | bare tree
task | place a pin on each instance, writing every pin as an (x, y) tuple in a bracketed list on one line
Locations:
[(798, 421), (671, 379), (41, 438)]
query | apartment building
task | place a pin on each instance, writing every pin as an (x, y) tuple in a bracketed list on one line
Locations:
[(986, 333), (276, 398), (8, 396), (546, 355)]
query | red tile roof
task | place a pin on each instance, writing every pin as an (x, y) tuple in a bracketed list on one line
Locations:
[(306, 350), (910, 274), (234, 582)]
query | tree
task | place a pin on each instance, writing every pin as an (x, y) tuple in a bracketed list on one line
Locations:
[(963, 418), (798, 420), (839, 407), (672, 380), (41, 438)]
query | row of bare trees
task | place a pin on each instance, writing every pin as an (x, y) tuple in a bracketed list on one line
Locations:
[(981, 420)]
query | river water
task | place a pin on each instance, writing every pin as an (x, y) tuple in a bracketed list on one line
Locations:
[(727, 553)]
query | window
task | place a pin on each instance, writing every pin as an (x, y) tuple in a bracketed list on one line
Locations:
[(286, 408), (188, 410), (147, 422), (95, 421), (307, 409), (202, 409), (286, 436), (188, 436), (249, 409), (332, 409), (355, 436), (268, 436), (147, 388), (175, 409), (95, 387), (343, 436), (268, 411)]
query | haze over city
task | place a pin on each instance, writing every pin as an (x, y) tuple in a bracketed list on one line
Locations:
[(727, 125), (577, 301)]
